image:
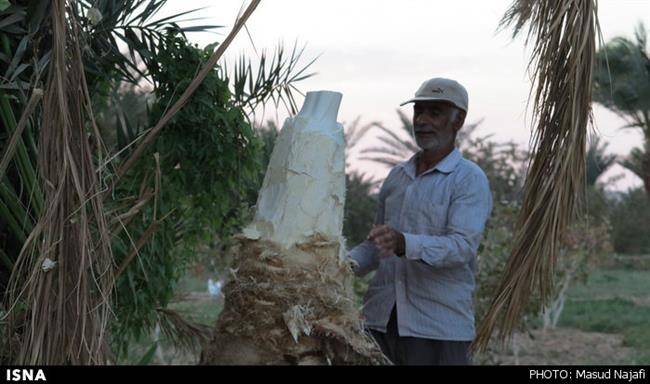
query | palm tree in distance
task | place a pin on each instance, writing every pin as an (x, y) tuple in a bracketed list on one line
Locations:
[(622, 85), (598, 162)]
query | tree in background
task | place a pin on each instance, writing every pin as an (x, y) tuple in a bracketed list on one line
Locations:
[(622, 85)]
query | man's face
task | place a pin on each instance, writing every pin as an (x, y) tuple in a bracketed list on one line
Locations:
[(435, 124)]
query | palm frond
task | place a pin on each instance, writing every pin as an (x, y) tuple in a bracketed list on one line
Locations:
[(634, 162), (406, 123), (563, 34), (269, 80), (355, 132), (131, 22)]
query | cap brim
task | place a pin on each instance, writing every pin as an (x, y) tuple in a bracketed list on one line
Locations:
[(413, 100)]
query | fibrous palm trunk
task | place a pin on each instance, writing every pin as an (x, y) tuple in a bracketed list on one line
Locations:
[(289, 299)]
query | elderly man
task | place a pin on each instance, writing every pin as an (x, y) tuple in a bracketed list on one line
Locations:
[(430, 220)]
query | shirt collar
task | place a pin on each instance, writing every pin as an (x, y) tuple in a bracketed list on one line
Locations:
[(446, 165)]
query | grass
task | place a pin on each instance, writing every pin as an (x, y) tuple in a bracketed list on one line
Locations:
[(613, 301), (608, 284)]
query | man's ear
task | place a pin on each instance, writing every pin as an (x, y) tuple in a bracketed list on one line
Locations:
[(460, 120)]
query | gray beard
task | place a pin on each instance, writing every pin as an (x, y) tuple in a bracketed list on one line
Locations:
[(431, 144)]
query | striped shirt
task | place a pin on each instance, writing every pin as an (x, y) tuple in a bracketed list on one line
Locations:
[(442, 214)]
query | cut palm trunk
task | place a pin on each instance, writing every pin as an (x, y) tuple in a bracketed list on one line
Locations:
[(289, 299)]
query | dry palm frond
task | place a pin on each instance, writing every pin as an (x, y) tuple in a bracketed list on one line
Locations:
[(563, 35), (59, 303), (184, 334)]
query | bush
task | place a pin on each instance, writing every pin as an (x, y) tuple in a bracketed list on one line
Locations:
[(630, 218)]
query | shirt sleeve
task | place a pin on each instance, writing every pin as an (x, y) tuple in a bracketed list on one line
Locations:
[(366, 254), (470, 208)]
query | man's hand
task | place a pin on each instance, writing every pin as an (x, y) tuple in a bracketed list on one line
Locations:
[(389, 240)]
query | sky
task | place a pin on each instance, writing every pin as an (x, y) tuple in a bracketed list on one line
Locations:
[(378, 52)]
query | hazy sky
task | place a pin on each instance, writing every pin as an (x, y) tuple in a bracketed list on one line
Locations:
[(377, 52)]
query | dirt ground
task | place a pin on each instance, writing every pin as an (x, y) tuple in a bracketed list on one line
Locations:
[(561, 346), (565, 346)]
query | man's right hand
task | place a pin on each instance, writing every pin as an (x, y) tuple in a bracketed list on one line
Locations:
[(387, 239)]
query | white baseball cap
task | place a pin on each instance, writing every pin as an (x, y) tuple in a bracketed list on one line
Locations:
[(441, 89)]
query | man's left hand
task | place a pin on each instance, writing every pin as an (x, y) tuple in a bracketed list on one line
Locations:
[(388, 239)]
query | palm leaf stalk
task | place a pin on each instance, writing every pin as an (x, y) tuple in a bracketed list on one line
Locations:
[(563, 34)]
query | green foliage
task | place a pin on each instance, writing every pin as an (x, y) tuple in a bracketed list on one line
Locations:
[(208, 150), (503, 164), (199, 167), (630, 217), (360, 208)]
